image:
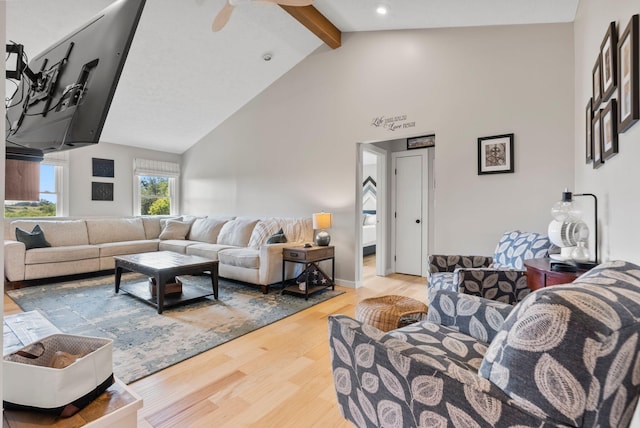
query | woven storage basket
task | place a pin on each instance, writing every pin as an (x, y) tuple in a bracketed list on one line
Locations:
[(30, 381), (390, 312)]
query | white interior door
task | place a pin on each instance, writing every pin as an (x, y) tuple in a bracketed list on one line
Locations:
[(408, 214)]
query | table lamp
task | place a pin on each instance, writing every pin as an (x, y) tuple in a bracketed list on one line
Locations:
[(569, 232), (321, 222)]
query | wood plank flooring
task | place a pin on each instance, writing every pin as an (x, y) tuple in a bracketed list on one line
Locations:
[(277, 376)]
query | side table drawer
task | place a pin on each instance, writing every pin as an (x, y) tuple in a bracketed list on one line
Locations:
[(307, 254)]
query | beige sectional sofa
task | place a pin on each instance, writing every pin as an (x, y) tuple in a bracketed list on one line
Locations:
[(82, 245)]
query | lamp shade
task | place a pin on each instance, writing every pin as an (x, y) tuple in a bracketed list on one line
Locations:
[(322, 221)]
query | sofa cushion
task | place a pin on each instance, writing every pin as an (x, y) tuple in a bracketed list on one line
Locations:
[(111, 249), (59, 233), (263, 230), (209, 251), (115, 230), (237, 232), (241, 257), (152, 227), (66, 253), (297, 229), (174, 229), (33, 239), (175, 245), (207, 229), (534, 350)]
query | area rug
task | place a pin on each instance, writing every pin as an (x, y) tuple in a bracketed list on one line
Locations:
[(145, 342)]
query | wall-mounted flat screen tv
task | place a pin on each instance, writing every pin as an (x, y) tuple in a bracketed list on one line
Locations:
[(64, 95)]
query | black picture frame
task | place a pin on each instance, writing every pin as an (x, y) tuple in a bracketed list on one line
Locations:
[(103, 167), (608, 57), (496, 154), (588, 143), (596, 83), (596, 133), (628, 76), (421, 142), (101, 191), (609, 130)]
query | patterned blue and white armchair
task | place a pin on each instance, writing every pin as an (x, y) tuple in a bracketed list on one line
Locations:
[(566, 355), (501, 277)]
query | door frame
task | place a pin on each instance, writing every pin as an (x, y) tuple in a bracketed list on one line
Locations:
[(424, 156), (381, 210)]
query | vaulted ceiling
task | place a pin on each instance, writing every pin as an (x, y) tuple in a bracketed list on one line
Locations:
[(181, 80)]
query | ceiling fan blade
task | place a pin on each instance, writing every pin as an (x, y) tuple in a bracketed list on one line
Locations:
[(222, 17), (291, 2)]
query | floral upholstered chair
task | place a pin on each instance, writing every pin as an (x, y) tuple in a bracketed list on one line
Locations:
[(501, 277), (566, 355)]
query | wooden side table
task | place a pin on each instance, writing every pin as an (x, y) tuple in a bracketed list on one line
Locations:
[(310, 256), (540, 275)]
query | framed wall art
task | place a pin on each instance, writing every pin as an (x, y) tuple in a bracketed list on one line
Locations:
[(421, 142), (596, 83), (598, 161), (495, 154), (628, 76), (101, 191), (609, 63), (588, 143), (609, 125), (102, 167)]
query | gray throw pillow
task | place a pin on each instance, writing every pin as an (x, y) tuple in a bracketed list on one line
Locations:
[(277, 238), (33, 239)]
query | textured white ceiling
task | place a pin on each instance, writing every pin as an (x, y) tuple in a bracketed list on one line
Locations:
[(181, 80)]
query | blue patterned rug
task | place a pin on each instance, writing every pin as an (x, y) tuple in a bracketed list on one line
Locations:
[(145, 342)]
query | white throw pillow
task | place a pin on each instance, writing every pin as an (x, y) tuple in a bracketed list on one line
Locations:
[(174, 229), (237, 232)]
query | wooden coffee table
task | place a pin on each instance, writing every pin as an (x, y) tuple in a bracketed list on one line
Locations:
[(164, 266)]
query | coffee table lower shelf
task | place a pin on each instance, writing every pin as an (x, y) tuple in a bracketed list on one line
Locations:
[(189, 293)]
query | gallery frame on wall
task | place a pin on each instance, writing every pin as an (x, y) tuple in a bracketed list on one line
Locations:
[(609, 124), (609, 63), (596, 134), (596, 83), (495, 154), (103, 167), (421, 142), (101, 191), (588, 144), (628, 76)]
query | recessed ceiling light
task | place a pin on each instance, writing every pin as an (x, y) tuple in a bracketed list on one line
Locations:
[(381, 10)]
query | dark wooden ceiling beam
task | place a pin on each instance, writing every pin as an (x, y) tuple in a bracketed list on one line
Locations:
[(317, 23)]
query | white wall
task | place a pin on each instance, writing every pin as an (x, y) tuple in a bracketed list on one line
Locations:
[(616, 182), (80, 178), (292, 150)]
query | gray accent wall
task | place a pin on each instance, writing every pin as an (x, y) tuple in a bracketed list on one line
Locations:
[(291, 151)]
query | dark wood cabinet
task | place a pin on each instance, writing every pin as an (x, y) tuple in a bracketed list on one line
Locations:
[(539, 274)]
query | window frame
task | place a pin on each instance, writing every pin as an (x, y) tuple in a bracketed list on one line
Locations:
[(151, 168)]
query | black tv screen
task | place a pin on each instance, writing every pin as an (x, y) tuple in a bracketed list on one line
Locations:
[(66, 103)]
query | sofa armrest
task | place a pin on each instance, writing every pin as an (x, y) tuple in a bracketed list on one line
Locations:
[(271, 263), (381, 380), (449, 263), (14, 257), (472, 315), (504, 285)]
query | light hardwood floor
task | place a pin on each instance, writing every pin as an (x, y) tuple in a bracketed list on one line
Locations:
[(277, 376)]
